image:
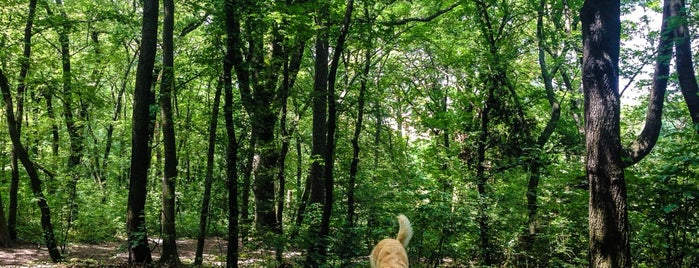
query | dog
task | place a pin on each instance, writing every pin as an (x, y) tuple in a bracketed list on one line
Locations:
[(390, 253)]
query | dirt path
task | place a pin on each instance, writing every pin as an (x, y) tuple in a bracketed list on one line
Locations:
[(106, 255)]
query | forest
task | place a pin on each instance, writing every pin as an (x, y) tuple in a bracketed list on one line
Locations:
[(291, 133)]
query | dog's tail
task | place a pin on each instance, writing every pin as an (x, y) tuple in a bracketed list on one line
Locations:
[(405, 232)]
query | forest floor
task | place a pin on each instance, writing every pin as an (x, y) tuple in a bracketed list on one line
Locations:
[(114, 254)]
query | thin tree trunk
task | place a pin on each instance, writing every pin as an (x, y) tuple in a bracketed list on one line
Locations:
[(232, 28), (14, 189), (21, 87), (117, 112), (354, 165), (169, 255), (54, 127), (209, 175), (4, 232), (73, 126), (536, 164), (316, 250), (483, 220), (245, 219), (35, 181), (290, 71), (281, 178), (142, 134), (683, 58)]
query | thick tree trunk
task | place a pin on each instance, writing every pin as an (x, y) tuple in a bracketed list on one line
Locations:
[(35, 182), (142, 134), (608, 222), (209, 176), (169, 255)]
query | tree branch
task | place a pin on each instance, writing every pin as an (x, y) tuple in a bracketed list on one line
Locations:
[(421, 19), (645, 141)]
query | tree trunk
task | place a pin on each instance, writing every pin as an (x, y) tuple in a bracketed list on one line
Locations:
[(117, 112), (683, 58), (315, 255), (354, 165), (14, 189), (245, 219), (257, 81), (4, 232), (73, 124), (21, 86), (536, 163), (232, 50), (483, 225), (35, 182), (209, 175), (608, 223), (55, 138), (169, 255), (290, 71), (142, 134)]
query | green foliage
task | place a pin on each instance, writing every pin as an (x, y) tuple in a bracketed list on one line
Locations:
[(426, 91)]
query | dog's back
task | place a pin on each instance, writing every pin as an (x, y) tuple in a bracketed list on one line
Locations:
[(390, 253)]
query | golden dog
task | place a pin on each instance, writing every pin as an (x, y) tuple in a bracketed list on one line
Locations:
[(390, 253)]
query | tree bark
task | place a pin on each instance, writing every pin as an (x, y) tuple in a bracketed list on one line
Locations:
[(72, 121), (536, 162), (213, 124), (4, 232), (257, 81), (683, 59), (608, 220), (290, 70), (316, 250), (644, 143), (21, 87), (142, 134), (245, 220), (169, 255), (354, 165), (483, 221), (232, 50), (35, 181)]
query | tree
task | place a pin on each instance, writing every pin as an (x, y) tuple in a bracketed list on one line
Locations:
[(21, 88), (169, 255), (204, 215), (683, 58), (4, 232), (141, 135), (23, 156), (72, 121), (229, 60), (316, 250), (606, 158)]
